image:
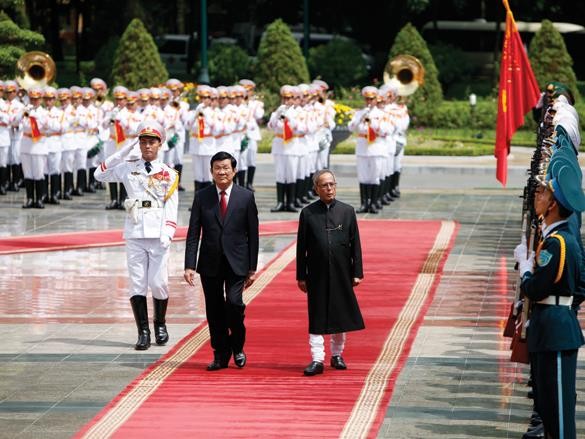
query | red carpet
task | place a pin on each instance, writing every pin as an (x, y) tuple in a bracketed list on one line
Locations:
[(270, 397), (107, 238)]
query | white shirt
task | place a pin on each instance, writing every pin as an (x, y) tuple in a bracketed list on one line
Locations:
[(228, 191)]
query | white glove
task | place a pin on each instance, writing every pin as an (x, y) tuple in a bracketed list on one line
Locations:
[(165, 241), (526, 264), (118, 156), (520, 252)]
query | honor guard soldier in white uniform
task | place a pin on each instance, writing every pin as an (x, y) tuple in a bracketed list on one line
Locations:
[(181, 107), (150, 225), (402, 121), (201, 123), (92, 140), (104, 107), (253, 136), (386, 95), (79, 128), (33, 149), (328, 124), (15, 108), (54, 131), (284, 150), (240, 145), (370, 126), (4, 141), (68, 142)]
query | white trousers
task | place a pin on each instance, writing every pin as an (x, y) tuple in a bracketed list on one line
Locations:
[(14, 152), (313, 156), (242, 158), (322, 157), (398, 161), (252, 151), (303, 167), (33, 166), (174, 156), (54, 163), (388, 166), (4, 156), (317, 343), (80, 160), (147, 267), (285, 168), (67, 160), (201, 167), (369, 169)]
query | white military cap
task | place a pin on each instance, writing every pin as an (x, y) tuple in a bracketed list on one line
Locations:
[(98, 84), (120, 91), (322, 84), (151, 128), (11, 85), (173, 84), (287, 91), (248, 84), (369, 92), (50, 92)]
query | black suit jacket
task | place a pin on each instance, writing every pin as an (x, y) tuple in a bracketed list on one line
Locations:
[(236, 236)]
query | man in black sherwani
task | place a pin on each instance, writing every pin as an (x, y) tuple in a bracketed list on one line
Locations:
[(329, 265)]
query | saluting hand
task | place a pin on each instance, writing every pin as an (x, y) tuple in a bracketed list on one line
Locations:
[(189, 276), (302, 285)]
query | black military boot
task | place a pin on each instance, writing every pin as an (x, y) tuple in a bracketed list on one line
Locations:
[(179, 169), (289, 190), (160, 328), (123, 196), (67, 186), (371, 193), (241, 176), (40, 194), (14, 186), (54, 189), (363, 199), (81, 182), (113, 204), (45, 195), (301, 192), (250, 177), (3, 180), (396, 189), (141, 317), (279, 198), (91, 185), (20, 175), (30, 193), (309, 184)]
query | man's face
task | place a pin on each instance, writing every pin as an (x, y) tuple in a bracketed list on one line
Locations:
[(326, 187), (223, 173), (149, 147), (542, 200)]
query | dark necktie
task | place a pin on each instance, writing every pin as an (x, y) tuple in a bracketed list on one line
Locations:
[(223, 204), (148, 167)]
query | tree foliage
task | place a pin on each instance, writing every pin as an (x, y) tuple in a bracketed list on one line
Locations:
[(410, 42), (14, 42), (279, 59), (137, 63), (339, 63), (228, 63), (550, 59)]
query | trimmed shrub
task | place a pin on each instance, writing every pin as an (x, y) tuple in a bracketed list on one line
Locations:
[(339, 63), (279, 59), (137, 63), (550, 59), (228, 63), (410, 42), (15, 41)]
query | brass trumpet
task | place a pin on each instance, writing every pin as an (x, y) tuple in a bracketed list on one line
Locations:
[(35, 69), (405, 72)]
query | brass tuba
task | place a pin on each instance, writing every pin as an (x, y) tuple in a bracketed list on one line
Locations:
[(405, 72), (35, 69)]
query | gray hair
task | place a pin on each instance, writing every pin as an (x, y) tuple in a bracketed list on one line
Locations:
[(318, 175)]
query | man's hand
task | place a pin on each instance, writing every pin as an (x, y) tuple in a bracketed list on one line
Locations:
[(356, 281), (250, 279), (165, 241), (302, 285), (189, 276)]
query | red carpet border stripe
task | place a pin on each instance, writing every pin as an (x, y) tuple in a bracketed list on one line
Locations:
[(366, 408), (129, 403)]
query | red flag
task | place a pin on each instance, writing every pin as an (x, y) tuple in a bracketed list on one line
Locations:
[(519, 93), (200, 127), (371, 136), (120, 136), (34, 128), (287, 132)]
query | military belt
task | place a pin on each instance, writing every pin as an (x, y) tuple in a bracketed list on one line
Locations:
[(557, 300)]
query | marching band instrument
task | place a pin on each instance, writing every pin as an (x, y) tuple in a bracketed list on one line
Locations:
[(406, 73), (35, 69)]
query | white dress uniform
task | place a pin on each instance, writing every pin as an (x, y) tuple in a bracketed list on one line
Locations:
[(4, 133), (173, 117), (54, 132), (242, 113), (256, 113), (15, 109), (326, 119), (34, 152), (286, 153), (151, 220), (68, 139), (402, 120), (225, 125), (93, 129), (202, 125)]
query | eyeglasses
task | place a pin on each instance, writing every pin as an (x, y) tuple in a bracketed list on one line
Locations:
[(326, 185)]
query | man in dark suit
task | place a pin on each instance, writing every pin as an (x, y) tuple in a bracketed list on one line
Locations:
[(228, 217)]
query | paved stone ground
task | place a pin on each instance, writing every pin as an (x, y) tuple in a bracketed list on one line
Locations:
[(68, 331)]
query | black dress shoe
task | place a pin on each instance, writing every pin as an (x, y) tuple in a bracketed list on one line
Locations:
[(143, 342), (113, 205), (240, 359), (314, 368), (338, 363), (217, 364), (535, 433)]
